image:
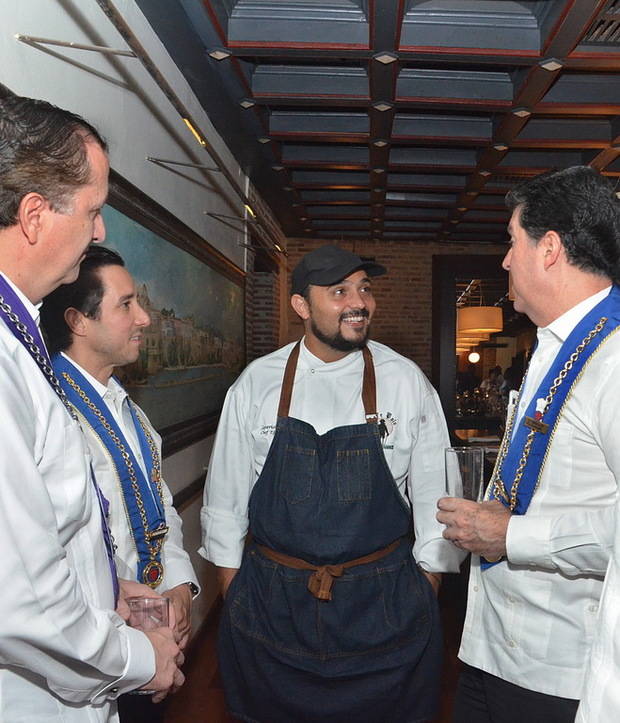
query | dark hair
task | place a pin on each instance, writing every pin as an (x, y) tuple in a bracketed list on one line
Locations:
[(84, 294), (42, 150), (581, 206)]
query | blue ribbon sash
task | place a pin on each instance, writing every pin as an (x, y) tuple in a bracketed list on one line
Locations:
[(536, 427), (142, 495)]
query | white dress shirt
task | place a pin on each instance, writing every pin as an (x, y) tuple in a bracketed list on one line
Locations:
[(600, 698), (64, 653), (328, 395), (177, 566), (530, 620)]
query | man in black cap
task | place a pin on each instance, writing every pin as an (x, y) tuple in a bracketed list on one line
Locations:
[(330, 453)]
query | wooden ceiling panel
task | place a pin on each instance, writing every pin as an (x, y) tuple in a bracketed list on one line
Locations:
[(418, 113)]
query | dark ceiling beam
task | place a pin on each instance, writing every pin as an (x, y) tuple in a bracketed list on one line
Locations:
[(572, 26), (530, 87)]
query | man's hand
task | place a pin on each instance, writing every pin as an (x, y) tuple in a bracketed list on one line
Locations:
[(168, 658), (479, 527), (181, 600), (131, 588)]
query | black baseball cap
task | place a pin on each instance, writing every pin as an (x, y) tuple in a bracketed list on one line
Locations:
[(328, 265)]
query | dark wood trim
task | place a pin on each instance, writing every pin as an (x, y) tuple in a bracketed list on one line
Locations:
[(188, 494), (130, 200), (181, 435)]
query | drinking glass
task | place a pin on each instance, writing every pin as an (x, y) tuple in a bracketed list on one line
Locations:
[(147, 613), (465, 472)]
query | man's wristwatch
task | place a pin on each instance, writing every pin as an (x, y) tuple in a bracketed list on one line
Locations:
[(193, 588)]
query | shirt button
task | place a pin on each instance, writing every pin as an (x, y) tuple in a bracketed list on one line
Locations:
[(311, 371), (114, 690), (511, 599), (593, 608), (475, 588), (511, 643)]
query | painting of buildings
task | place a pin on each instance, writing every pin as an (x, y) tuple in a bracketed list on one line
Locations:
[(194, 347)]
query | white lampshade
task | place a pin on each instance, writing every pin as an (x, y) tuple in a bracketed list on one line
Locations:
[(485, 319), (471, 339)]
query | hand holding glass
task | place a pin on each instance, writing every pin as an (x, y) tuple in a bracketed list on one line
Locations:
[(464, 472), (147, 613)]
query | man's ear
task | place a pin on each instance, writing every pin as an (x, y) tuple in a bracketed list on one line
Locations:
[(300, 306), (30, 215), (551, 247), (76, 321)]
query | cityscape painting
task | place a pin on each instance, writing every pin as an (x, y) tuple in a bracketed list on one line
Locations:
[(194, 347)]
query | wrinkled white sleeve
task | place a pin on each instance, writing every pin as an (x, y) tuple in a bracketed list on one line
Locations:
[(580, 541), (230, 478), (177, 564), (426, 484), (47, 624)]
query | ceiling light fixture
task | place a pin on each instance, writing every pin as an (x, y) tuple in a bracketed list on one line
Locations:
[(378, 170), (551, 64), (278, 168), (379, 142), (195, 133), (484, 173), (486, 319), (462, 208), (219, 53), (383, 105), (247, 103), (385, 57), (500, 146), (521, 112), (264, 139)]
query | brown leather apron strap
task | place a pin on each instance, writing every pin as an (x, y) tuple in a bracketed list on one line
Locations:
[(369, 385), (320, 583), (287, 382), (369, 388)]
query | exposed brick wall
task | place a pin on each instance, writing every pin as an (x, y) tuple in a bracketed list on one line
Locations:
[(265, 314), (404, 295)]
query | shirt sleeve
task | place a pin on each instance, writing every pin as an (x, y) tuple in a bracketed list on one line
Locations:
[(178, 566), (48, 626), (426, 485), (230, 477)]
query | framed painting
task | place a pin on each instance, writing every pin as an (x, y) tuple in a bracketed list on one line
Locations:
[(194, 347)]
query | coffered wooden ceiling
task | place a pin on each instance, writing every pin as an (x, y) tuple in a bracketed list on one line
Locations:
[(401, 119)]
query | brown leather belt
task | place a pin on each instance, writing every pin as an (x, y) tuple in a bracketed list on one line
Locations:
[(320, 583)]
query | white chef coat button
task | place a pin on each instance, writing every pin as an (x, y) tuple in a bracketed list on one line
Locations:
[(511, 644), (114, 690), (593, 608), (311, 371), (475, 588)]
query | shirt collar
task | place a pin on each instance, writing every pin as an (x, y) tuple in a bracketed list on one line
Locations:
[(112, 389), (32, 309), (563, 325), (313, 361)]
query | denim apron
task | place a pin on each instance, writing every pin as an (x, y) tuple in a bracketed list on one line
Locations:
[(371, 654)]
